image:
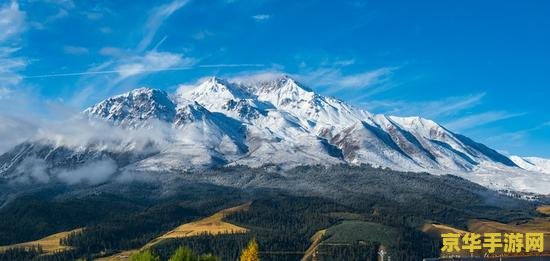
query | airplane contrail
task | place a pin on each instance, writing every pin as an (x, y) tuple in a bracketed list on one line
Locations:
[(227, 65)]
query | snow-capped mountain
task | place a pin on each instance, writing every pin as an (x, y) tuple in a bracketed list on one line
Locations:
[(532, 163), (135, 108), (278, 121)]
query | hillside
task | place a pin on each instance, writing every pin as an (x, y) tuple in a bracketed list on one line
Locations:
[(286, 211), (212, 225), (540, 225), (50, 244)]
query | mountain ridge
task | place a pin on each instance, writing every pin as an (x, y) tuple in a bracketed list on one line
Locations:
[(277, 121)]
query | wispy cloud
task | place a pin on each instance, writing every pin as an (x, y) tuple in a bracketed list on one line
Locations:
[(344, 62), (156, 19), (129, 65), (516, 139), (338, 81), (480, 119), (202, 34), (453, 111), (261, 17), (4, 92), (75, 50), (112, 51), (12, 21), (12, 24), (364, 79), (67, 4), (63, 9), (152, 61), (10, 65), (106, 30), (133, 71), (435, 109)]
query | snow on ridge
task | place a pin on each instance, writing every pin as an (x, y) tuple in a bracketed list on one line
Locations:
[(532, 163), (274, 119)]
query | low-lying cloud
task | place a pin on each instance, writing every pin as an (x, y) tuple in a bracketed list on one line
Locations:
[(32, 170), (92, 173)]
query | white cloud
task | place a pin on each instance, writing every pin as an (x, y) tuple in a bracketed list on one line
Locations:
[(61, 13), (451, 111), (32, 169), (365, 78), (10, 65), (111, 51), (75, 50), (338, 81), (151, 62), (256, 76), (12, 21), (13, 131), (106, 30), (261, 17), (511, 139), (97, 83), (62, 6), (4, 92), (77, 133), (94, 16), (12, 24), (97, 12), (91, 173), (344, 62), (127, 67), (68, 4), (479, 119), (156, 19), (429, 109), (202, 34)]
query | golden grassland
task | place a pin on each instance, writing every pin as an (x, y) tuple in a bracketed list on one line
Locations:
[(537, 225), (49, 244), (212, 225), (438, 229), (125, 255), (544, 209), (478, 226), (316, 239)]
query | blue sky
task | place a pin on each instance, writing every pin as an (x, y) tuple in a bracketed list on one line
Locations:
[(481, 68)]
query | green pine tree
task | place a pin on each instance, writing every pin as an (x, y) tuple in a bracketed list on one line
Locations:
[(183, 254), (144, 256)]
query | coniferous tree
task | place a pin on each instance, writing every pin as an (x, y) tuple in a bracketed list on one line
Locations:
[(251, 252), (183, 254), (146, 255)]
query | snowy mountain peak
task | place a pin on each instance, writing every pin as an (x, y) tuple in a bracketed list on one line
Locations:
[(281, 86), (135, 108), (274, 83), (214, 82), (214, 88)]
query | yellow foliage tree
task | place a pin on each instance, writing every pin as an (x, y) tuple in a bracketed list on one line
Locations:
[(251, 252)]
